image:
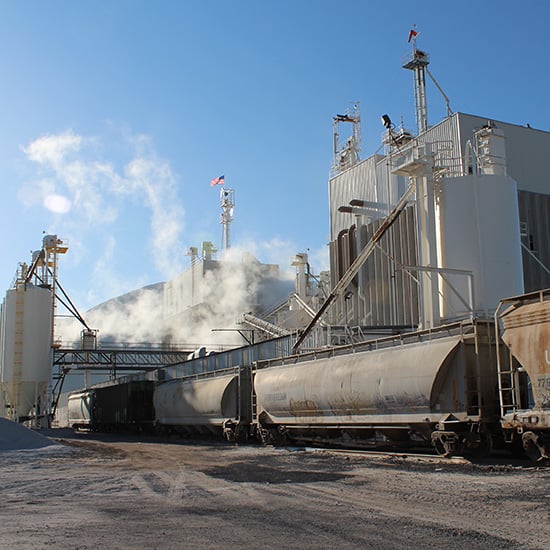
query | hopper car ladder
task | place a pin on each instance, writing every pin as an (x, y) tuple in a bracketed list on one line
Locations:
[(508, 392), (506, 375), (253, 399)]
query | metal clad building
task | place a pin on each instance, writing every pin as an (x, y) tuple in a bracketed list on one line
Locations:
[(462, 153)]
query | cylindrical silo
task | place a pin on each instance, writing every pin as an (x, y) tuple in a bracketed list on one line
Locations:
[(478, 231), (25, 348)]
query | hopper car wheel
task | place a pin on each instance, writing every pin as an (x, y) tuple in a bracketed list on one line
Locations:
[(515, 446), (273, 436), (441, 450), (534, 447), (229, 431), (444, 443), (266, 436), (282, 436)]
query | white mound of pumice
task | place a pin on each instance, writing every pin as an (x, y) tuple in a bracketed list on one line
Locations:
[(16, 437)]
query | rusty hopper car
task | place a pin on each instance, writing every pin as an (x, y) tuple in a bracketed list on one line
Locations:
[(429, 388), (524, 373), (215, 402)]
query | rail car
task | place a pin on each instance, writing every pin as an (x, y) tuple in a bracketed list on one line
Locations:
[(428, 388), (80, 410), (524, 374), (126, 405), (215, 403), (461, 388)]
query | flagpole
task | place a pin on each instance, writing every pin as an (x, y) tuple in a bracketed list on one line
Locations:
[(227, 203)]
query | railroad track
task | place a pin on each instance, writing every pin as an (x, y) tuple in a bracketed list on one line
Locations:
[(499, 461), (387, 454)]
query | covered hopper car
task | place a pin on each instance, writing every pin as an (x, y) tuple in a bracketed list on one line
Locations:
[(524, 374), (216, 403), (461, 388), (434, 387), (80, 409)]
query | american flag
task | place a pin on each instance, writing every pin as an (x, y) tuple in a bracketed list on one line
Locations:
[(217, 181)]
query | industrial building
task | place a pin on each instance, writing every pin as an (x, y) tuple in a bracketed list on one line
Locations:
[(227, 300), (441, 227), (474, 229)]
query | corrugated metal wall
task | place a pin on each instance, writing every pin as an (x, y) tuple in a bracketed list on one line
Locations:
[(534, 215), (382, 294), (447, 146), (526, 151), (243, 356), (365, 181)]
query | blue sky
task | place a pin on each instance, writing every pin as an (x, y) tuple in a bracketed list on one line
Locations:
[(115, 115)]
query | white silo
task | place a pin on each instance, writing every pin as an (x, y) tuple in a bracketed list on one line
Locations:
[(479, 231), (25, 346)]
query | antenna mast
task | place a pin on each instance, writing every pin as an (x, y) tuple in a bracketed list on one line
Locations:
[(227, 203), (346, 155)]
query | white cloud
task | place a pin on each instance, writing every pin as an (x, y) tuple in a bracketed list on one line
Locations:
[(272, 251), (105, 276), (154, 179), (57, 203), (76, 181), (34, 193), (53, 149), (102, 201)]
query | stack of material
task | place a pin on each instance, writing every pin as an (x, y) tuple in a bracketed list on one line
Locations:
[(15, 437)]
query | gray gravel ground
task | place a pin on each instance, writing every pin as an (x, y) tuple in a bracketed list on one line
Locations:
[(109, 493)]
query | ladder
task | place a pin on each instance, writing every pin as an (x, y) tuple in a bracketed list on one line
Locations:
[(507, 387), (253, 399)]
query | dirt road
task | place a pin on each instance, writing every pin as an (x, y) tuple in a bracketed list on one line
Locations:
[(130, 494)]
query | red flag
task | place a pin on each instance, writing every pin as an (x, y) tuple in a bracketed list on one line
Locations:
[(412, 34), (217, 181)]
